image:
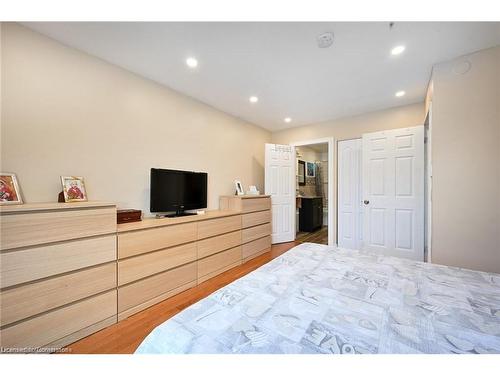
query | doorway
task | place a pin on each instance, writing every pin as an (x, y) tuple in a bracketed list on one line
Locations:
[(314, 191)]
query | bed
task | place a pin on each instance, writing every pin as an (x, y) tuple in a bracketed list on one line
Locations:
[(322, 299)]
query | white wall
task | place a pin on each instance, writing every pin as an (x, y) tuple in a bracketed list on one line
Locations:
[(67, 113)]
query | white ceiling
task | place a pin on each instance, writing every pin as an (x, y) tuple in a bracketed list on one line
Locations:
[(281, 63)]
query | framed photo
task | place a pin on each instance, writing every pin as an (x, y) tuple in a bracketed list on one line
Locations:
[(9, 189), (310, 169), (239, 187), (73, 189)]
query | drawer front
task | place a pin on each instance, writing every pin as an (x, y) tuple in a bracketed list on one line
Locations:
[(143, 241), (255, 218), (21, 266), (250, 249), (31, 299), (144, 290), (256, 204), (219, 261), (136, 268), (217, 244), (36, 228), (214, 227), (254, 233), (47, 328)]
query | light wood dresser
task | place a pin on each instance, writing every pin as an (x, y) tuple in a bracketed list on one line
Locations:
[(255, 222), (67, 270), (57, 272)]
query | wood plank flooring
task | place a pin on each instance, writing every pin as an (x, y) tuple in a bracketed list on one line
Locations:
[(319, 236), (125, 336)]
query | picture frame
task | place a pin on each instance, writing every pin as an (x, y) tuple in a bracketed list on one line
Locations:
[(310, 169), (74, 189), (239, 187), (9, 189)]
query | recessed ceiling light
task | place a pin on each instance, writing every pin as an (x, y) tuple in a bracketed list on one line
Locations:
[(192, 62), (287, 119), (397, 50), (253, 99), (400, 94)]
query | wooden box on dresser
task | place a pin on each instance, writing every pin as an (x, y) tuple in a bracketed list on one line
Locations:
[(57, 273), (255, 222)]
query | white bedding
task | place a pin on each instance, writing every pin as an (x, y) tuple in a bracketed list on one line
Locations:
[(321, 299)]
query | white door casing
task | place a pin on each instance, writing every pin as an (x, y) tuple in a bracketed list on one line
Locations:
[(280, 185), (393, 192), (350, 194)]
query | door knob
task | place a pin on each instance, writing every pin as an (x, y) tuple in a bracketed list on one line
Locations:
[(366, 202)]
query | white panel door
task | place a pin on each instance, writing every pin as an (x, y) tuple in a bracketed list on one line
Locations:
[(350, 199), (393, 192), (280, 185)]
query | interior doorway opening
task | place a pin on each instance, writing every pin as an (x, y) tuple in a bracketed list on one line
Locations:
[(314, 198)]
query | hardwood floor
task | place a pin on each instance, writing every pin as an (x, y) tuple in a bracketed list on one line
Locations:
[(125, 336), (320, 236)]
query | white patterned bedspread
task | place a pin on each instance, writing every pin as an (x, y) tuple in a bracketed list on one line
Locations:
[(321, 299)]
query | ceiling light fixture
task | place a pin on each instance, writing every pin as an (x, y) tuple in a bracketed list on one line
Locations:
[(253, 99), (191, 62), (400, 94), (398, 50), (287, 119)]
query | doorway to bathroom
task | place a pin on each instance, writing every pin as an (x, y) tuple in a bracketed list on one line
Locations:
[(314, 218)]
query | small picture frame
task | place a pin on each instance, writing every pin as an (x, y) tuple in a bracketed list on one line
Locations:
[(9, 189), (239, 187), (310, 169), (73, 189)]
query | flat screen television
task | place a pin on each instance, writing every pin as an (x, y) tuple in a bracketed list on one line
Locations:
[(177, 191)]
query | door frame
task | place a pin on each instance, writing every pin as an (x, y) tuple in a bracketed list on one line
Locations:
[(332, 222)]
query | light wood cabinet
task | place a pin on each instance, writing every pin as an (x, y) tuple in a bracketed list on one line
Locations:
[(67, 270), (57, 272)]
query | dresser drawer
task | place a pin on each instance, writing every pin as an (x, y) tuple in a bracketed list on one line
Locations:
[(255, 218), (42, 227), (143, 241), (21, 266), (252, 249), (31, 299), (55, 325), (255, 204), (136, 268), (146, 290), (254, 233), (214, 227), (217, 244), (218, 263)]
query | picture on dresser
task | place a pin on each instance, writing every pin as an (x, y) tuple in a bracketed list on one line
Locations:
[(310, 169), (239, 187), (73, 189), (9, 189)]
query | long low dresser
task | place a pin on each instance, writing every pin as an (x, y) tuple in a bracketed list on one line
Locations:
[(68, 270)]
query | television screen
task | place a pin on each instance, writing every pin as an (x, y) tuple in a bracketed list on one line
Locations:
[(173, 190)]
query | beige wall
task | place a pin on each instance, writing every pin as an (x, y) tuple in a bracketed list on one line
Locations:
[(466, 162), (67, 113), (354, 127)]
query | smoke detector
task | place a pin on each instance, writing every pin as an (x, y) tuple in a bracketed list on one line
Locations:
[(325, 40)]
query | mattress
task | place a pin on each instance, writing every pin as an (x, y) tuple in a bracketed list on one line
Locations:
[(322, 299)]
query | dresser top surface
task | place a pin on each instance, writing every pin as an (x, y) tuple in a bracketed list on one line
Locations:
[(152, 222), (49, 206)]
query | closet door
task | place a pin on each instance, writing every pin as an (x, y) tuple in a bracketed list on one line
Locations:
[(350, 207), (393, 192)]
